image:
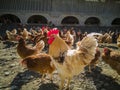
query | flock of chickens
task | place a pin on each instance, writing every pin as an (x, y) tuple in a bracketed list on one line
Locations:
[(61, 55)]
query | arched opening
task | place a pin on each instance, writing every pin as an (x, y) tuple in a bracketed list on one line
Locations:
[(70, 20), (38, 19), (116, 21), (92, 21), (9, 18)]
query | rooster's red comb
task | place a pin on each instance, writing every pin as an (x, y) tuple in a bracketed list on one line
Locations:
[(53, 31)]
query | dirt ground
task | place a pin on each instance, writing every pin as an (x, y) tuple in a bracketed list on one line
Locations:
[(15, 77)]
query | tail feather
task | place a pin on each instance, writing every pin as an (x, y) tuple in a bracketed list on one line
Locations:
[(88, 47), (89, 43), (94, 33)]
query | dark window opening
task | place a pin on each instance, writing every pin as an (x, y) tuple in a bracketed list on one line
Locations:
[(9, 18), (116, 21), (92, 21), (70, 20), (37, 19)]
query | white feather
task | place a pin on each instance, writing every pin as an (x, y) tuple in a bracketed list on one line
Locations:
[(71, 52), (94, 33)]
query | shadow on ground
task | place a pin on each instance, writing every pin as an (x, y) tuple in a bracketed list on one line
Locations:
[(48, 86), (9, 44), (22, 79), (102, 81)]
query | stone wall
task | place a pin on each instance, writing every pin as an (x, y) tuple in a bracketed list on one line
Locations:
[(57, 10)]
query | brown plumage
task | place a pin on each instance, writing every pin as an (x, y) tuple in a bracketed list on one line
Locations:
[(41, 37), (40, 63), (23, 50), (112, 58), (25, 34), (106, 38)]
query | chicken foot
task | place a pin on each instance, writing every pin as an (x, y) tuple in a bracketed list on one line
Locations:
[(62, 83), (68, 83)]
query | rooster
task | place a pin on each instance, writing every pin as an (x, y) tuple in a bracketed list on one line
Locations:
[(112, 58), (40, 63), (23, 50), (70, 62)]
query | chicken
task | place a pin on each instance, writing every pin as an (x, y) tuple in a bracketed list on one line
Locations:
[(11, 36), (34, 32), (112, 58), (106, 38), (100, 39), (70, 62), (118, 41), (41, 37), (69, 39), (40, 63), (97, 54), (25, 34), (95, 60), (25, 51)]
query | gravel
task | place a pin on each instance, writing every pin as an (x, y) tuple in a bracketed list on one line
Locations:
[(14, 77)]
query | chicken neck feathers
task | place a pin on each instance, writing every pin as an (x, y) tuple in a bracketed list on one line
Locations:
[(58, 46)]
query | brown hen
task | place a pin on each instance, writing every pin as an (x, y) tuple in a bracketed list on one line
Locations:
[(112, 58), (23, 50), (40, 63)]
